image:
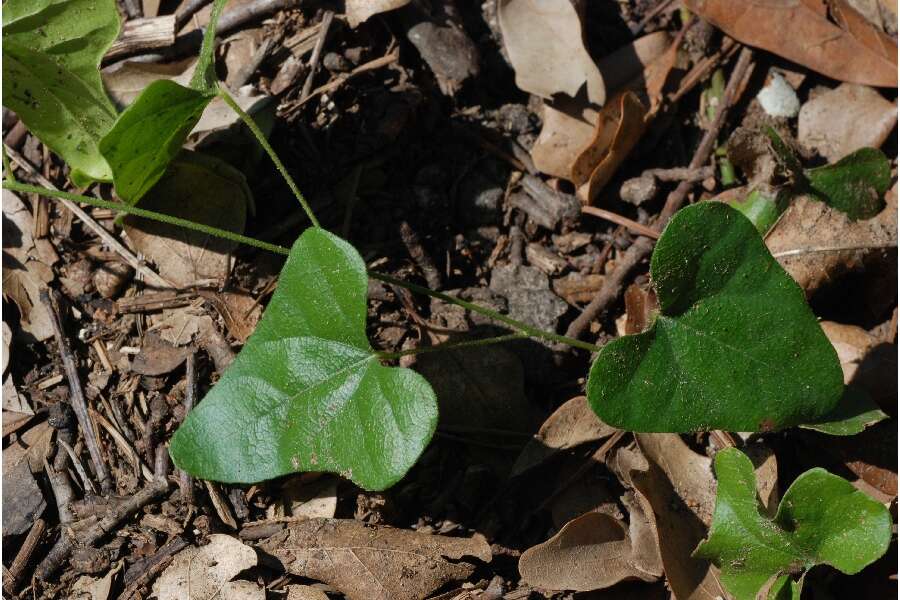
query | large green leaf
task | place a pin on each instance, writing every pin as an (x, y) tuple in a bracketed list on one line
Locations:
[(822, 519), (151, 131), (307, 392), (735, 346), (51, 55)]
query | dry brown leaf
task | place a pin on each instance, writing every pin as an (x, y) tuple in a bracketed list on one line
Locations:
[(851, 344), (359, 11), (23, 500), (207, 572), (196, 192), (7, 340), (689, 473), (544, 40), (817, 244), (375, 563), (591, 552), (157, 356), (677, 526), (570, 425), (829, 121), (24, 273), (625, 119), (305, 592), (308, 499), (240, 312), (803, 31)]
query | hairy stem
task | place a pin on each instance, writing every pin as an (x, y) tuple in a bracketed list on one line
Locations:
[(147, 214), (517, 325), (261, 138), (454, 345), (523, 328)]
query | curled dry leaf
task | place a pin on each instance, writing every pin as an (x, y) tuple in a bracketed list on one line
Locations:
[(817, 244), (592, 552), (586, 144), (358, 11), (829, 122), (375, 563), (829, 36), (570, 425), (544, 40), (207, 572), (205, 191)]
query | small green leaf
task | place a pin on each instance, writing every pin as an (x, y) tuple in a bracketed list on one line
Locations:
[(785, 156), (307, 392), (735, 346), (151, 131), (149, 134), (51, 79), (853, 414), (856, 184), (822, 519)]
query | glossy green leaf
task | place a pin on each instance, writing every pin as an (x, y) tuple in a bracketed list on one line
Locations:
[(307, 392), (735, 346), (856, 184), (853, 414), (822, 519), (149, 134), (51, 79), (151, 131)]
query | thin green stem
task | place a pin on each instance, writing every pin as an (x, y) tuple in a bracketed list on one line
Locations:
[(148, 214), (453, 346), (7, 168), (524, 329), (261, 138), (518, 325)]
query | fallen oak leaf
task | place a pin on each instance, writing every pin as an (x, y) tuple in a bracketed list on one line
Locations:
[(375, 563), (591, 552), (570, 425), (359, 11), (207, 572), (817, 244), (801, 31), (545, 42)]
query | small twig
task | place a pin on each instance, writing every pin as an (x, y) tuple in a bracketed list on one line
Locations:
[(681, 173), (614, 282), (185, 482), (618, 219), (187, 11), (76, 394), (151, 567), (702, 69), (23, 556), (826, 249), (101, 232), (316, 54), (420, 256), (73, 458), (69, 540), (337, 82)]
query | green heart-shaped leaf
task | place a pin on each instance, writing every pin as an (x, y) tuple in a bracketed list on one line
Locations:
[(822, 519), (51, 79), (735, 346), (307, 392), (151, 131), (856, 184)]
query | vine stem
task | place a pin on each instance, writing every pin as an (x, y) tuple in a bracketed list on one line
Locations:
[(454, 345), (147, 214), (524, 329), (518, 325), (261, 138)]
